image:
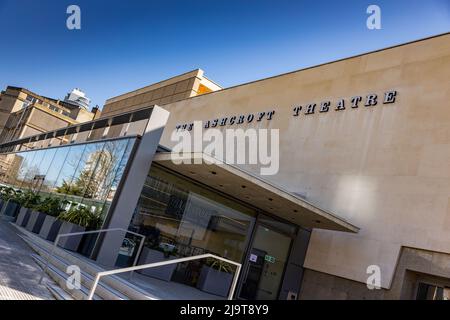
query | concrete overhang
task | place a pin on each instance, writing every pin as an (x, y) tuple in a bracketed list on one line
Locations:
[(247, 188)]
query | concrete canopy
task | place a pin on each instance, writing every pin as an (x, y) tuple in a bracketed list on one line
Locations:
[(250, 189)]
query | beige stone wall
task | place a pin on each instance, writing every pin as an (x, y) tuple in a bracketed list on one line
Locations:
[(82, 115), (46, 120), (43, 116), (8, 103), (38, 119), (168, 91), (413, 266), (384, 168)]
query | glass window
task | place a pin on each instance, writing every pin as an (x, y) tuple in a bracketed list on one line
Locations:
[(113, 179), (86, 175), (184, 219), (34, 178), (64, 184), (427, 291), (89, 175), (54, 169), (268, 258), (44, 169), (11, 176), (25, 168)]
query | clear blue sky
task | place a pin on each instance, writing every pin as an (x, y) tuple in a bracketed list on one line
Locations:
[(125, 45)]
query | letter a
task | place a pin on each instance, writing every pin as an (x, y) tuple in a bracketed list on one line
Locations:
[(374, 21), (74, 20)]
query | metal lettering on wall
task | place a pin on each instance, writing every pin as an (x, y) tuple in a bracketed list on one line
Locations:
[(355, 102)]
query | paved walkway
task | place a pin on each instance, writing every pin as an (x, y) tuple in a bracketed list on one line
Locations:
[(19, 274)]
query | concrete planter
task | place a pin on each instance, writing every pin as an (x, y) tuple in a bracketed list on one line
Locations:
[(23, 217), (35, 222), (50, 228), (70, 243), (12, 209), (151, 256), (87, 244), (214, 281)]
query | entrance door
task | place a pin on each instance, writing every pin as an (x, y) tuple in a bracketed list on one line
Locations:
[(264, 273)]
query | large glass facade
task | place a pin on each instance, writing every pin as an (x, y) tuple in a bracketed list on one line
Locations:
[(183, 219), (85, 174)]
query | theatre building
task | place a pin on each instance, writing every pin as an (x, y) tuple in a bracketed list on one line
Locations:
[(363, 183)]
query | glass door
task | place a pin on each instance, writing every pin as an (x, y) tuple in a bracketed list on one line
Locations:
[(269, 253)]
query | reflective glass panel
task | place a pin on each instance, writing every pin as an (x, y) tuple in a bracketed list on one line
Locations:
[(180, 218)]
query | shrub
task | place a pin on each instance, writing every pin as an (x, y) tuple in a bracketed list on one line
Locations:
[(52, 206), (27, 199), (7, 193), (82, 216), (219, 265)]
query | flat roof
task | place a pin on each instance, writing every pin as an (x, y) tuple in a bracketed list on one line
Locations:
[(248, 188), (319, 65)]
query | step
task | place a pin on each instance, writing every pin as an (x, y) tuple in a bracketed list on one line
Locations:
[(103, 291), (60, 278), (58, 292), (115, 282), (118, 286)]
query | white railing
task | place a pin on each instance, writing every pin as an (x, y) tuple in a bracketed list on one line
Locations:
[(165, 263), (55, 244)]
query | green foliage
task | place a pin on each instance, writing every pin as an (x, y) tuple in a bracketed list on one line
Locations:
[(7, 193), (82, 216), (219, 265), (70, 189), (27, 199), (83, 186), (52, 206)]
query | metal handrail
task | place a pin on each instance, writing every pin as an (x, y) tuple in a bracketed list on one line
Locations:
[(55, 244), (165, 263)]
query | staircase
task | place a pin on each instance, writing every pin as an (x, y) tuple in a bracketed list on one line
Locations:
[(110, 288)]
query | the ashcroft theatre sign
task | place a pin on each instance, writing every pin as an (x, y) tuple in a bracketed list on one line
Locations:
[(355, 102)]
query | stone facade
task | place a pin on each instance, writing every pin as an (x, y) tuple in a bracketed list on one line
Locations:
[(24, 113), (178, 88), (414, 266), (384, 168)]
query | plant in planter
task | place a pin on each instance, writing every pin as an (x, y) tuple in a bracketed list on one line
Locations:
[(51, 207), (36, 216), (10, 202), (27, 200), (216, 277), (158, 252), (77, 219), (6, 193)]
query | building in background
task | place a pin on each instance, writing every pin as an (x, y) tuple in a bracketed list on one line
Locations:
[(78, 98), (24, 113)]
